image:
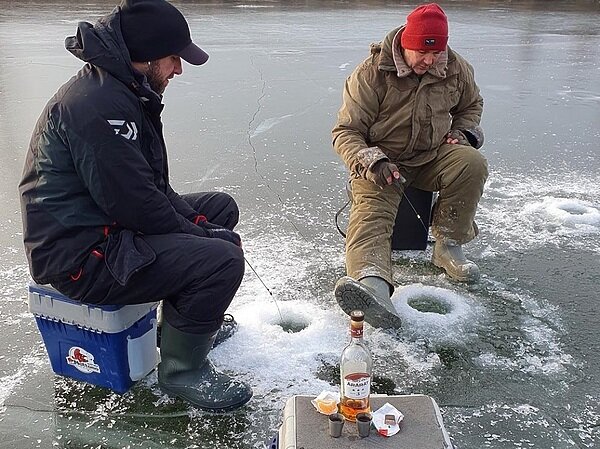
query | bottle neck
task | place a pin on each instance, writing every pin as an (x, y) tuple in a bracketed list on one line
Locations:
[(356, 332)]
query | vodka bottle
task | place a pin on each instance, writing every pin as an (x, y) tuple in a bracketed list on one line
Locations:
[(356, 367)]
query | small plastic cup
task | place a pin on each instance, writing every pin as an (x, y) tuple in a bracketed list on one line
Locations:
[(336, 423), (363, 421)]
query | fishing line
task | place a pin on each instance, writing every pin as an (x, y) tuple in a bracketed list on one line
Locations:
[(404, 196), (265, 286), (264, 179), (396, 184)]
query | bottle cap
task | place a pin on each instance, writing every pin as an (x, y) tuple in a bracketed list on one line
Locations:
[(357, 315)]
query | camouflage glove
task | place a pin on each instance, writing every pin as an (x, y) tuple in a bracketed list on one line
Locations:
[(383, 173), (457, 137)]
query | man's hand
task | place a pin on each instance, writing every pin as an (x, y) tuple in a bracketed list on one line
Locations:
[(384, 173), (225, 234), (218, 232), (457, 137)]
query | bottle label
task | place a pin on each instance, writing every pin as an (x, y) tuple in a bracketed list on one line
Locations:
[(356, 332), (357, 385)]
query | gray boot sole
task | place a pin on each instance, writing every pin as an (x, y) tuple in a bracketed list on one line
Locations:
[(352, 295)]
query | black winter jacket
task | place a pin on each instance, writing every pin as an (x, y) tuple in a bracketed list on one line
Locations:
[(97, 160)]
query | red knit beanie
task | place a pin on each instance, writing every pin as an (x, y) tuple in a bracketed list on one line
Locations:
[(426, 29)]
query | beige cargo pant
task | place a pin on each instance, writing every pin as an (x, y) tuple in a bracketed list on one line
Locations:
[(458, 173)]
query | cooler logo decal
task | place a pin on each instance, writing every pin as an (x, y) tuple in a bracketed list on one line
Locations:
[(82, 360)]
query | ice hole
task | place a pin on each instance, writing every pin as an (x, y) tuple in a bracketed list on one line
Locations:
[(429, 303), (574, 209), (442, 316), (293, 325)]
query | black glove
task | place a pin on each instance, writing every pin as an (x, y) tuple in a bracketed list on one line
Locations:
[(218, 232), (224, 234), (381, 172)]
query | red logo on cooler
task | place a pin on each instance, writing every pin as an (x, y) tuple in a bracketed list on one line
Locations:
[(82, 360), (78, 355)]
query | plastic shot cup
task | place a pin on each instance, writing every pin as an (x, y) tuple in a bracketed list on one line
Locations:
[(363, 421), (336, 423)]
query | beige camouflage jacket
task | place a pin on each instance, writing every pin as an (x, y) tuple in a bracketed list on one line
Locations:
[(388, 113)]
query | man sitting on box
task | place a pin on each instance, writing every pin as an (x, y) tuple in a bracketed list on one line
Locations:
[(410, 116), (101, 221)]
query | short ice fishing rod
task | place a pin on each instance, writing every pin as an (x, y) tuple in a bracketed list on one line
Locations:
[(396, 183)]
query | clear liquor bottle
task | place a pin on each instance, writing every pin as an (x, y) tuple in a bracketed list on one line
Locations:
[(356, 367)]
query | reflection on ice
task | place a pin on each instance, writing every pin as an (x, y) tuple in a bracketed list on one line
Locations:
[(268, 124)]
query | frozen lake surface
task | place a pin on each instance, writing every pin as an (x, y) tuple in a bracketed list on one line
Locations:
[(513, 360)]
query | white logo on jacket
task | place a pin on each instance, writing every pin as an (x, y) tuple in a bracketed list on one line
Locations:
[(125, 129)]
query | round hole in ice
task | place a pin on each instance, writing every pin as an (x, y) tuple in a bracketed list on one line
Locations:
[(574, 209), (442, 316), (293, 324), (427, 302)]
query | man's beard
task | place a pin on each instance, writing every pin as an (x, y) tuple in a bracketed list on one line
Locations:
[(154, 80)]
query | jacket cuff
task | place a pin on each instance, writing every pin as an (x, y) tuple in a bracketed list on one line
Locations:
[(199, 219), (474, 136), (370, 156)]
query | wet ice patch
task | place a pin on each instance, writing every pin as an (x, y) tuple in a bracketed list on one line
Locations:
[(514, 425), (29, 365), (8, 384), (441, 316), (579, 96), (532, 338)]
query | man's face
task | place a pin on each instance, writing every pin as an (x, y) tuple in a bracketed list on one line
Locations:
[(161, 71), (420, 61)]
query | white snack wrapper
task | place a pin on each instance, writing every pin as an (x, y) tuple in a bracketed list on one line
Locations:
[(392, 427)]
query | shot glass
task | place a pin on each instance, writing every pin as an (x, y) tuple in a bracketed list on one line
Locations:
[(363, 421), (336, 423)]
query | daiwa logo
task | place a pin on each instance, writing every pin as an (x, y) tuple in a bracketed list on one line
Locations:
[(82, 360), (123, 128)]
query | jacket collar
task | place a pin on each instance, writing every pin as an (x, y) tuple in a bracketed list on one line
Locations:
[(102, 45), (391, 59)]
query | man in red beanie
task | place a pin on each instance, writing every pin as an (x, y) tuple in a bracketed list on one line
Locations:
[(410, 116), (102, 223)]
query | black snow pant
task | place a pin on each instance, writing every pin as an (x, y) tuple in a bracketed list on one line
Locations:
[(195, 277)]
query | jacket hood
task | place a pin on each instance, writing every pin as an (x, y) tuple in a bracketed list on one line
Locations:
[(102, 45), (390, 57)]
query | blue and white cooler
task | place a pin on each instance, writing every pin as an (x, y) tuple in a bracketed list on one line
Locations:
[(109, 346)]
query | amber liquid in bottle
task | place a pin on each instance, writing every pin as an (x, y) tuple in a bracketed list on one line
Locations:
[(356, 367)]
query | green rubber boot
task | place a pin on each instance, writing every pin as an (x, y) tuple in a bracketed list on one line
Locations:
[(186, 372)]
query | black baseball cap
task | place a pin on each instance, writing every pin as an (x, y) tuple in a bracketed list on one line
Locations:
[(154, 29)]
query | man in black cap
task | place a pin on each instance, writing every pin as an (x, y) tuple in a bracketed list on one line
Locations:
[(101, 221)]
